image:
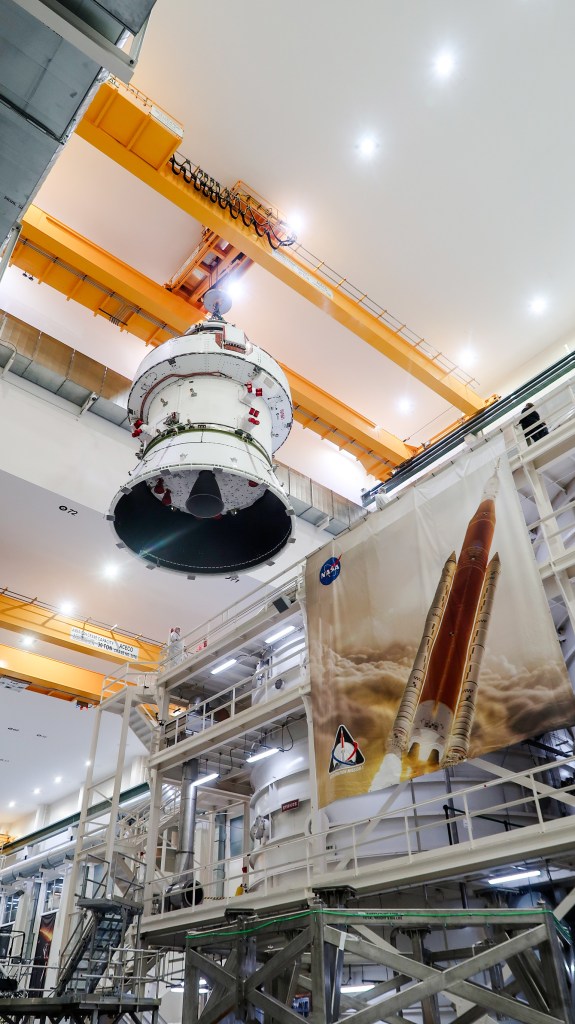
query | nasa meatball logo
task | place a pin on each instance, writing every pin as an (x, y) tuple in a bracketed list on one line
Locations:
[(345, 753), (329, 571)]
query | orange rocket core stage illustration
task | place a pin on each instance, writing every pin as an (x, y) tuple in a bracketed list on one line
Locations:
[(433, 724), (449, 654)]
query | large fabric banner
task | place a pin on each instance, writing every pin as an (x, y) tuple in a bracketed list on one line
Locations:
[(430, 637), (42, 954)]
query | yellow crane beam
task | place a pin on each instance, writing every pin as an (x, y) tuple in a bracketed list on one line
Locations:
[(60, 257), (29, 617), (55, 678), (104, 125), (314, 407), (56, 255)]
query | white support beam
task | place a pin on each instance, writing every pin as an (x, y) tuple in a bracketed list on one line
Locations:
[(539, 788), (563, 908), (82, 37)]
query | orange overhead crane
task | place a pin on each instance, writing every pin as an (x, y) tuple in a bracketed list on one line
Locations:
[(212, 260), (55, 255), (52, 678), (125, 125), (130, 128), (28, 616)]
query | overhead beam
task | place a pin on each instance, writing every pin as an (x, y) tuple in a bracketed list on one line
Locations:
[(54, 254), (327, 408), (58, 256), (104, 131), (21, 615), (45, 675)]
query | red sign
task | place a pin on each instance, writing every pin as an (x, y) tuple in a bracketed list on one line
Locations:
[(290, 805)]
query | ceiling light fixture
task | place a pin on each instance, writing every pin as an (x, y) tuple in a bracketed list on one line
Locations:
[(206, 778), (66, 608), (357, 988), (367, 146), (444, 64), (263, 753), (295, 223), (36, 791), (224, 665), (279, 634), (467, 358), (538, 305), (12, 803), (87, 763), (234, 288), (405, 405), (58, 778), (521, 876), (111, 571), (27, 641)]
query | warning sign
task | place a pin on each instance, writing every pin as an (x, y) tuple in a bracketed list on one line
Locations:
[(345, 754)]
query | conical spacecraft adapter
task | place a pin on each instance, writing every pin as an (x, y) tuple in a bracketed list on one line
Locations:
[(209, 410)]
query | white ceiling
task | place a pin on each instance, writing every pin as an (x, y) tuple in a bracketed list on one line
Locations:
[(66, 562), (463, 215), (32, 728)]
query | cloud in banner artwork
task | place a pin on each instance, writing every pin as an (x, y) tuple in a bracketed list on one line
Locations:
[(435, 643), (514, 704)]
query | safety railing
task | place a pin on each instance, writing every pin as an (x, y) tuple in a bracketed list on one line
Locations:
[(220, 627), (126, 676), (341, 284), (409, 832), (127, 973), (11, 943), (29, 976), (538, 430), (112, 879), (542, 418), (263, 685)]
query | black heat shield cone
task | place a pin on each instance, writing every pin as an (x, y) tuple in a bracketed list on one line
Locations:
[(176, 540)]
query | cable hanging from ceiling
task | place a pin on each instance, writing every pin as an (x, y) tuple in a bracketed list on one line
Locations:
[(238, 205)]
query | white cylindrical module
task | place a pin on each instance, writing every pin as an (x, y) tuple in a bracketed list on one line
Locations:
[(210, 409)]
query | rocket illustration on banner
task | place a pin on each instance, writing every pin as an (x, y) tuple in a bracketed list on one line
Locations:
[(432, 727)]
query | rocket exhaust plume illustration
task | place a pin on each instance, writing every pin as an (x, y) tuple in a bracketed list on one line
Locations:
[(433, 723)]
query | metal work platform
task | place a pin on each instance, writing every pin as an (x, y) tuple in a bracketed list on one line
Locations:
[(90, 1010)]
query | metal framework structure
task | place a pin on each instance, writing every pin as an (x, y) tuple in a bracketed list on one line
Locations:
[(513, 968), (86, 1010), (209, 264), (107, 126), (308, 923)]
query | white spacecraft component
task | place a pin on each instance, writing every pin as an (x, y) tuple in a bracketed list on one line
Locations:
[(209, 409)]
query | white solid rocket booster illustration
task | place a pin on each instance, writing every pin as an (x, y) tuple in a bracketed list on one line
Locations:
[(432, 727)]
